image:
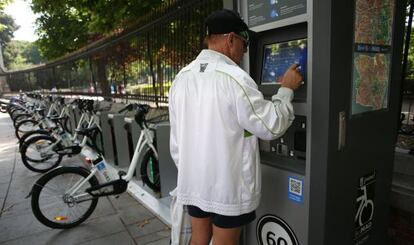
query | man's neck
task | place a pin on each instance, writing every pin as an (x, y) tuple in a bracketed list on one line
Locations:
[(219, 49)]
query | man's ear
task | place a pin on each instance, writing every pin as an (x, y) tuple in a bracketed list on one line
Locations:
[(230, 39)]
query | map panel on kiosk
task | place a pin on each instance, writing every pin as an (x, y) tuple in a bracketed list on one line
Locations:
[(372, 55), (278, 57)]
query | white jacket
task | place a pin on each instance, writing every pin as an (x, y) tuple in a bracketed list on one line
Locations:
[(214, 106)]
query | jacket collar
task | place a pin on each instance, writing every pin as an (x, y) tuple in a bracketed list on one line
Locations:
[(211, 54)]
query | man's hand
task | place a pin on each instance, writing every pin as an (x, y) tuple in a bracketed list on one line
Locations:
[(292, 78)]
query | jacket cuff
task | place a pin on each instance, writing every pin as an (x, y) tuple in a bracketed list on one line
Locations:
[(283, 94)]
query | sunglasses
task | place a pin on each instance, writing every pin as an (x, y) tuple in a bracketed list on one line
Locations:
[(244, 36)]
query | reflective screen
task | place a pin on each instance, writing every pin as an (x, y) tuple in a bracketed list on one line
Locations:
[(277, 58)]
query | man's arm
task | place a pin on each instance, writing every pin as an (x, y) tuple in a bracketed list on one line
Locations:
[(263, 118), (173, 130)]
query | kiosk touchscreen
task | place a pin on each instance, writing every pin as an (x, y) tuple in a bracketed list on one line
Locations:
[(275, 52), (278, 57)]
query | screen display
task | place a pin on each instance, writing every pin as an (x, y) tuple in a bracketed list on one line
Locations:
[(278, 57)]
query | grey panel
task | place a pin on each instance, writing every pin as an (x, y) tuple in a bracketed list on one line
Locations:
[(135, 133), (107, 138), (168, 170), (275, 201), (72, 119), (121, 141)]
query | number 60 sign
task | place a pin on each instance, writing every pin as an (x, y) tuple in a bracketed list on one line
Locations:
[(272, 230)]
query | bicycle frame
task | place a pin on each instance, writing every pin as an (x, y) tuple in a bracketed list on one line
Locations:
[(93, 121), (145, 139)]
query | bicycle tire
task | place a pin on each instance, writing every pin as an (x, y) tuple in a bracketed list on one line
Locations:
[(15, 112), (3, 108), (30, 134), (96, 141), (149, 161), (20, 118), (407, 129), (67, 125), (30, 163), (18, 130), (58, 222)]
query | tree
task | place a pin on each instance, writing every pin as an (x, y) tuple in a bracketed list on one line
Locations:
[(21, 54), (3, 4), (8, 28), (65, 26)]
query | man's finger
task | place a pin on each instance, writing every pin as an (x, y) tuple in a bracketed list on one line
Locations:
[(294, 66)]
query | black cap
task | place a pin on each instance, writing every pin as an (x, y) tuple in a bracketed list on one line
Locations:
[(224, 21)]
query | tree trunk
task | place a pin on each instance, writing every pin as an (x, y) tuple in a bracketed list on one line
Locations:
[(101, 77)]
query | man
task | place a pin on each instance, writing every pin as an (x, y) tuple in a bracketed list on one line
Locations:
[(216, 112)]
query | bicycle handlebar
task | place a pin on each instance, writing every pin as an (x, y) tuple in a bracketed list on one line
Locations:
[(129, 107)]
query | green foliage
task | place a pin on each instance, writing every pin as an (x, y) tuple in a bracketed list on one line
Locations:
[(3, 4), (7, 30), (21, 54), (65, 26), (410, 65)]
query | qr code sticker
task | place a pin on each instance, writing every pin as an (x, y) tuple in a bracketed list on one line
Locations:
[(295, 186)]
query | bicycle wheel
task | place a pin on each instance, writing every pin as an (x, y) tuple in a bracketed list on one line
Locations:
[(54, 207), (15, 112), (20, 118), (407, 129), (26, 126), (97, 141), (67, 125), (3, 108), (150, 172), (37, 157), (31, 134)]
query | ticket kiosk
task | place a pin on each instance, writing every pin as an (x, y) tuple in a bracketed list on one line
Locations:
[(327, 180)]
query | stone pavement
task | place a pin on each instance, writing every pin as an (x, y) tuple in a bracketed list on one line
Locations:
[(114, 221)]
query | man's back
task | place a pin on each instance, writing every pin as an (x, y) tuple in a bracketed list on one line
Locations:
[(218, 159)]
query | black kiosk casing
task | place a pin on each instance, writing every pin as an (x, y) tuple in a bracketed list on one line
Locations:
[(337, 191)]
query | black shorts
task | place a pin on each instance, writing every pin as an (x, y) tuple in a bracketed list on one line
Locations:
[(222, 221)]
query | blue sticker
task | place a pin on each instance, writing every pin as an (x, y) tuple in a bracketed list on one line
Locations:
[(101, 166), (273, 13), (295, 192)]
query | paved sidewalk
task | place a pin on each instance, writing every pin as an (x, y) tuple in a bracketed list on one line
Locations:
[(115, 221)]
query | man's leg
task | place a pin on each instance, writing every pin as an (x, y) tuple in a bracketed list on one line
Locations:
[(201, 230), (226, 236)]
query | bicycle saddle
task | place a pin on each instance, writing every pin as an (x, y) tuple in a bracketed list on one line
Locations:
[(87, 131)]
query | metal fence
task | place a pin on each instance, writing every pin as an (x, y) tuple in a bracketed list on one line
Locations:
[(139, 64)]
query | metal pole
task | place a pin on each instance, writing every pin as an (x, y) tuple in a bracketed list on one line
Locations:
[(405, 57)]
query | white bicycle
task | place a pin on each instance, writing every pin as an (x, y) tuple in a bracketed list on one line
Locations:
[(66, 196)]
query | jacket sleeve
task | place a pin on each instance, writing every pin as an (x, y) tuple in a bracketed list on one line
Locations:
[(173, 129), (265, 119)]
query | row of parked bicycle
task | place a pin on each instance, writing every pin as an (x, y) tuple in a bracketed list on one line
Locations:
[(65, 196)]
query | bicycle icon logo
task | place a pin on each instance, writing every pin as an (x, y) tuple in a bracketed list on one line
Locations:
[(364, 206), (365, 209)]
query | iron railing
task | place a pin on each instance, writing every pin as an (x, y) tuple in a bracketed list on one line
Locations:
[(140, 64)]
